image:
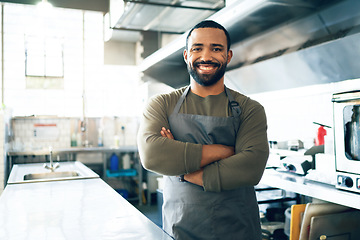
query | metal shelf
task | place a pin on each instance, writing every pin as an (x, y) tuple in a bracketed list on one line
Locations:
[(322, 191)]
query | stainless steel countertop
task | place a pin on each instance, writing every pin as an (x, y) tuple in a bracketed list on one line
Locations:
[(76, 209), (298, 184)]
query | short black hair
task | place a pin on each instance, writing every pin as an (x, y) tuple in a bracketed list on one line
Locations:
[(210, 24)]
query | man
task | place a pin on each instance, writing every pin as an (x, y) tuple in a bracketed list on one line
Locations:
[(210, 143)]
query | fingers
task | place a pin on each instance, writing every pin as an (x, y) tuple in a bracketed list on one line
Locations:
[(166, 133), (162, 133)]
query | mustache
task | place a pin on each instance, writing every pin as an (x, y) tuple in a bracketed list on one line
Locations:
[(206, 62)]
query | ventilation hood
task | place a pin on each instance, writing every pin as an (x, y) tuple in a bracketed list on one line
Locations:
[(171, 16), (260, 30)]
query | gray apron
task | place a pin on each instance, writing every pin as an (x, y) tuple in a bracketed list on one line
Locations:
[(191, 213)]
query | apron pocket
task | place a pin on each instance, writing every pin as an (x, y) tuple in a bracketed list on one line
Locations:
[(190, 221), (230, 222)]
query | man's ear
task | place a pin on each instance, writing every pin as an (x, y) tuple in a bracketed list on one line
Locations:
[(185, 55), (230, 55)]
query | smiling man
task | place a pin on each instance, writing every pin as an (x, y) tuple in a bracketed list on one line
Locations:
[(207, 70), (210, 143)]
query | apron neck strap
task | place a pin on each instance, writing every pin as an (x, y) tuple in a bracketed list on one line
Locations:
[(181, 100), (235, 108)]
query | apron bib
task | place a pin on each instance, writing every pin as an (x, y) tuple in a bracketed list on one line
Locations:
[(191, 213)]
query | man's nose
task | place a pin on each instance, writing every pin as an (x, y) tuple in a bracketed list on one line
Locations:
[(206, 55)]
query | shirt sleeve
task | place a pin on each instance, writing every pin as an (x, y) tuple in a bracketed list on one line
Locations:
[(246, 167), (159, 154)]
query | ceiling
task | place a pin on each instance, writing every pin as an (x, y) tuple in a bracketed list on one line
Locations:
[(128, 18), (91, 5)]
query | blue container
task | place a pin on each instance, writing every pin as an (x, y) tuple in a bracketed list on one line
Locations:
[(123, 192), (114, 162)]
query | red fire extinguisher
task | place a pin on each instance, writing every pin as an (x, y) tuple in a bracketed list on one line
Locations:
[(319, 140)]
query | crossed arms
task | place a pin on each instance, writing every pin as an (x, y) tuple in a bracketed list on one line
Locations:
[(215, 167), (210, 154)]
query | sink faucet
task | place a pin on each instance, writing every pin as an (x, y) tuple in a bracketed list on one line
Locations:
[(52, 166)]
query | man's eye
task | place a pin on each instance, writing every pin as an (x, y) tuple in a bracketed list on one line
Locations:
[(196, 49), (217, 49)]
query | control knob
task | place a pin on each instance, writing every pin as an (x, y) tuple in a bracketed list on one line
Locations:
[(348, 182)]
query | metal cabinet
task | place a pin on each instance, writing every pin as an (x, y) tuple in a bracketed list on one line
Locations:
[(126, 180)]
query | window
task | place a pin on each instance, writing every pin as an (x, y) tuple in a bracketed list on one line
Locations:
[(44, 62)]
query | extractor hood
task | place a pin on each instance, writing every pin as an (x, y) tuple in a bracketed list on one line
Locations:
[(171, 16), (260, 30)]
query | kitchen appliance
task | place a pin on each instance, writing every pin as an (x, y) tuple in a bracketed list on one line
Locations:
[(346, 114), (296, 164)]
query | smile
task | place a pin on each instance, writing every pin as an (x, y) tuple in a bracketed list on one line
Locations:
[(206, 67)]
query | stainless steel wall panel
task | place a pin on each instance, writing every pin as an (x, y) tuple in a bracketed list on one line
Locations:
[(329, 62)]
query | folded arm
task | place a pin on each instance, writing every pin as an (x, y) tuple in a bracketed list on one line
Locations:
[(159, 154), (167, 156), (246, 167), (210, 154)]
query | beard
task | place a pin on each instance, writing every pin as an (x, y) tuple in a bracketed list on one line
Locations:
[(206, 79)]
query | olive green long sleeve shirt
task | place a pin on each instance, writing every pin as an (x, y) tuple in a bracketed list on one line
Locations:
[(171, 157)]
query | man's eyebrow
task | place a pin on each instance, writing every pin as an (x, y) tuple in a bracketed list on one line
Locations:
[(197, 44), (213, 45), (217, 45)]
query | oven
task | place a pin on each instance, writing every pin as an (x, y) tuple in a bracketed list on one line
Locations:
[(346, 114)]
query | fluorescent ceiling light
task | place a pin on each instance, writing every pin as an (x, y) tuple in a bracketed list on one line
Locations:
[(44, 6)]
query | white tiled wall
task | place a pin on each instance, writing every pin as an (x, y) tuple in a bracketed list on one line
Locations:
[(28, 136), (122, 128), (57, 132)]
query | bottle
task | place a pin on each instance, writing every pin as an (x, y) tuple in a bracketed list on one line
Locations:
[(116, 141), (126, 161), (73, 140), (78, 139), (114, 162), (320, 136), (123, 142), (321, 133), (100, 137)]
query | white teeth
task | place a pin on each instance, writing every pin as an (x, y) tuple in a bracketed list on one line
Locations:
[(206, 67)]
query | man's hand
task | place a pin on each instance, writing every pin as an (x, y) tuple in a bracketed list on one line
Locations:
[(210, 153), (166, 133), (195, 177)]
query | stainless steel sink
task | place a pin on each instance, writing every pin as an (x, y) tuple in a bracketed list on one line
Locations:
[(36, 172), (49, 175)]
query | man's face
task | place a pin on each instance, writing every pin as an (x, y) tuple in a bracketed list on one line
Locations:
[(207, 55)]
